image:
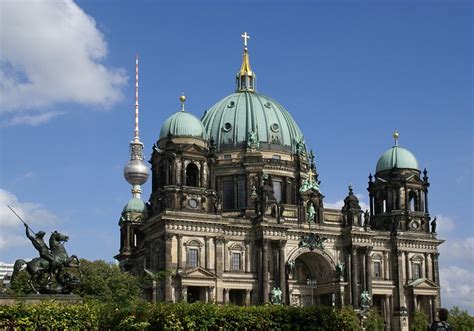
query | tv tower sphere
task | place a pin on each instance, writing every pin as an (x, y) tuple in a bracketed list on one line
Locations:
[(136, 172)]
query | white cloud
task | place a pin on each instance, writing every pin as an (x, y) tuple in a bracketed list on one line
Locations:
[(32, 119), (11, 229), (52, 53), (457, 287), (444, 225), (458, 250)]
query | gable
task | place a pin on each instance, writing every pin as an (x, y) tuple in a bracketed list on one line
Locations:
[(198, 272)]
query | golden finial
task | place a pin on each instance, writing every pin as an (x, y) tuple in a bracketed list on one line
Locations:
[(310, 175), (395, 136), (182, 98), (245, 77)]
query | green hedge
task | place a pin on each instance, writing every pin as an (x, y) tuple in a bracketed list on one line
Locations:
[(182, 316)]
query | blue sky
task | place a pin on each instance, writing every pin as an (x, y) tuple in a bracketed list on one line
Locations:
[(349, 72)]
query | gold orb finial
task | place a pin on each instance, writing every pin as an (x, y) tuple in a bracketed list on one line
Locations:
[(182, 98), (395, 136)]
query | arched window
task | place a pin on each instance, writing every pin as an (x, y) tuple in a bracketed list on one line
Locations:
[(377, 266), (416, 267), (193, 253), (192, 173)]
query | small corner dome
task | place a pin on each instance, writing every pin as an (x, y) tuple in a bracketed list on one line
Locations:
[(135, 205), (397, 157), (183, 124)]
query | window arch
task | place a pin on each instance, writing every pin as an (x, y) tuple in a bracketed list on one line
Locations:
[(236, 257), (193, 253), (416, 267), (192, 175), (377, 267)]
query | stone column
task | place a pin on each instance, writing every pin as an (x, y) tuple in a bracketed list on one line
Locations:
[(429, 267), (371, 199), (368, 269), (207, 253), (248, 300), (426, 201), (128, 235), (386, 266), (247, 256), (387, 313), (180, 251), (226, 258), (184, 293), (168, 265), (363, 269), (282, 270), (408, 275), (226, 295), (436, 280), (355, 277), (348, 274), (201, 182), (399, 294), (265, 290), (436, 268), (211, 295), (183, 172), (219, 260)]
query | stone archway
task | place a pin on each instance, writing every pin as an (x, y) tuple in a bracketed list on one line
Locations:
[(312, 279)]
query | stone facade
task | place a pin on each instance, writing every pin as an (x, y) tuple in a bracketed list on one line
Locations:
[(228, 224)]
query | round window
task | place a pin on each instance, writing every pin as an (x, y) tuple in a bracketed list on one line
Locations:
[(268, 104), (227, 127), (275, 127), (231, 104)]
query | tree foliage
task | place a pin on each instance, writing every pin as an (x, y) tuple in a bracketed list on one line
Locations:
[(20, 286), (420, 321), (139, 315), (460, 320), (105, 282), (374, 321)]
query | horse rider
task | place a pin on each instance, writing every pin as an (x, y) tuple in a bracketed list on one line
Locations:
[(41, 247)]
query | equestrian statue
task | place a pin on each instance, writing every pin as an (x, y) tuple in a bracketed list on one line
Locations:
[(49, 273)]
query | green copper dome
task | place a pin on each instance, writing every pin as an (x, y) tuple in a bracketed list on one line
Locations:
[(397, 157), (234, 118), (183, 124), (135, 205)]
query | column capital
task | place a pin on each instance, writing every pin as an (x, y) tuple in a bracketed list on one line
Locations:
[(281, 243), (368, 249), (219, 240), (168, 236)]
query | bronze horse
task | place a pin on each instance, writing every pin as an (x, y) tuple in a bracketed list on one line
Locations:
[(39, 266)]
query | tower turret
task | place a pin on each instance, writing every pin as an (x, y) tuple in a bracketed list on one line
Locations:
[(398, 195)]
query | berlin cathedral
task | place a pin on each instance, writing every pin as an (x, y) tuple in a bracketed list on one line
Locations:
[(236, 212)]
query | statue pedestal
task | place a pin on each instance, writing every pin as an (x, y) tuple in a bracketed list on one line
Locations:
[(32, 299)]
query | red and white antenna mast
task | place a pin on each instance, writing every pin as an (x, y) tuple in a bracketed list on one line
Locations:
[(137, 131)]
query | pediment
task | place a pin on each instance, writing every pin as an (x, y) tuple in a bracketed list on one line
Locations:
[(423, 284), (198, 272), (193, 148)]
